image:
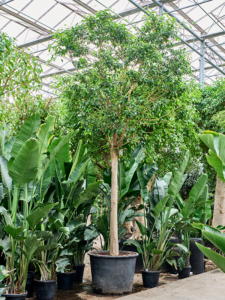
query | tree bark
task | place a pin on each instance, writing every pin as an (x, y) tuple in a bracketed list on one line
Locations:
[(219, 204), (114, 246)]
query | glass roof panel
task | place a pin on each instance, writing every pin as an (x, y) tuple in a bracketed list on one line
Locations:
[(32, 23)]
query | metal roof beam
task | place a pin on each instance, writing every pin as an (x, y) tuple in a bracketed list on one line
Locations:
[(26, 20), (36, 42), (85, 6)]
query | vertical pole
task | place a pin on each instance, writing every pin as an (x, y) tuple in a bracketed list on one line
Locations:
[(160, 11), (202, 62)]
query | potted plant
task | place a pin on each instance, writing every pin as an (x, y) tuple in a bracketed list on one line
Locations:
[(158, 229), (26, 177), (183, 262), (111, 102)]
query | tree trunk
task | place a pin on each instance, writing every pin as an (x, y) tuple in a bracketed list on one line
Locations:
[(114, 246), (219, 204), (88, 220)]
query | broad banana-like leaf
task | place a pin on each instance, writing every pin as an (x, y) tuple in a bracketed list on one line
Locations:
[(5, 244), (167, 177), (77, 222), (44, 235), (14, 232), (103, 226), (1, 193), (125, 216), (175, 184), (6, 179), (139, 245), (79, 155), (63, 156), (142, 228), (216, 239), (91, 233), (207, 228), (188, 208), (198, 188), (78, 171), (28, 130), (38, 214), (44, 135), (46, 247), (30, 246), (180, 202), (216, 258), (61, 263), (88, 194), (62, 142), (26, 192), (137, 157), (90, 174), (143, 185), (160, 206), (211, 140), (25, 166)]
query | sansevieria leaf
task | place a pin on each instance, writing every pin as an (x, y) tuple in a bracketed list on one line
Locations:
[(25, 166)]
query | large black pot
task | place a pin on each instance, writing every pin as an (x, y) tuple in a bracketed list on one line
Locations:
[(131, 248), (112, 274), (79, 273), (185, 273), (196, 257), (30, 284), (150, 278), (65, 280), (45, 290), (15, 296)]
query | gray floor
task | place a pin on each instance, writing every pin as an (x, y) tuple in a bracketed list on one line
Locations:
[(207, 286)]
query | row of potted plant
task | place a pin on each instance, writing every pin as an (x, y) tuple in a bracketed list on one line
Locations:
[(46, 196)]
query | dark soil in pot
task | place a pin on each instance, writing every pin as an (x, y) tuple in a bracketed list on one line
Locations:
[(30, 284), (185, 273), (112, 274), (45, 290), (65, 280), (79, 273), (15, 296), (150, 278)]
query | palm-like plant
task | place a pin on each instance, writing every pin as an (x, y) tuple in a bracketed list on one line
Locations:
[(26, 176)]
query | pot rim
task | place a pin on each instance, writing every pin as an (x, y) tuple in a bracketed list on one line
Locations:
[(67, 273), (79, 265), (135, 254), (43, 281), (14, 295), (184, 268), (152, 272)]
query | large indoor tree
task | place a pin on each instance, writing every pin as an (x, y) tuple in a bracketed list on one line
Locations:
[(126, 81)]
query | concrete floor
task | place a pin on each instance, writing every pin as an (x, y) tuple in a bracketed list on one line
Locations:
[(206, 286)]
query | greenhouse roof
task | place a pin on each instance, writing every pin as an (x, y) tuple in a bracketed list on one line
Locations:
[(202, 33)]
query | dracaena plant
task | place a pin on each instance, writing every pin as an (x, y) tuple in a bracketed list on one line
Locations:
[(26, 171), (159, 224)]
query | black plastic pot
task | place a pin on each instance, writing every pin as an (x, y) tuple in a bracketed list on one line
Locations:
[(131, 248), (30, 284), (79, 273), (112, 274), (15, 296), (65, 280), (2, 259), (185, 273), (197, 257), (150, 278), (45, 290)]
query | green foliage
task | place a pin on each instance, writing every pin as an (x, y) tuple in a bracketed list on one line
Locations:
[(130, 83)]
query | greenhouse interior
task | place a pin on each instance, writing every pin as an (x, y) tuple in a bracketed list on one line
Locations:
[(112, 149)]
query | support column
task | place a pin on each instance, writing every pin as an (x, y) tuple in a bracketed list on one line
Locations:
[(160, 11), (202, 64)]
